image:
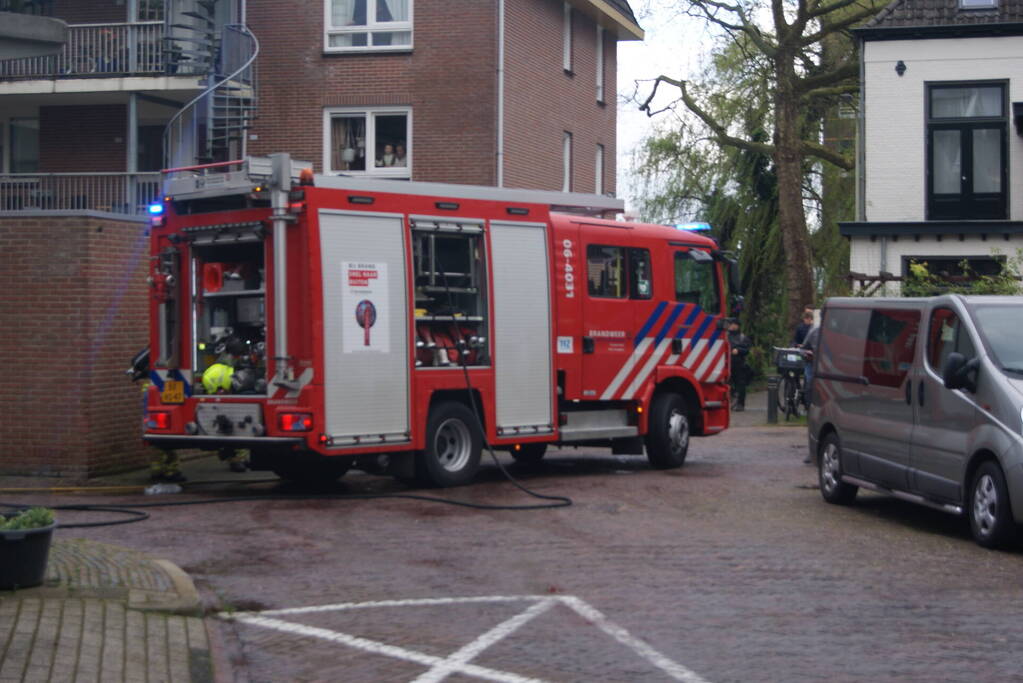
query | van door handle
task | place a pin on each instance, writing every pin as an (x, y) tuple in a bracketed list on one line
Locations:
[(909, 392), (920, 393), (588, 345)]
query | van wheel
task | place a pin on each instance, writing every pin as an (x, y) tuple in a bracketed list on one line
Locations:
[(829, 473), (989, 509), (453, 445), (530, 453), (667, 437)]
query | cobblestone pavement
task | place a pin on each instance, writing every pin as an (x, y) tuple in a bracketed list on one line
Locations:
[(104, 613), (729, 569)]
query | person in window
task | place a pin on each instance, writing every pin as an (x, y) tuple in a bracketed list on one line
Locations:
[(399, 155), (387, 158), (740, 345)]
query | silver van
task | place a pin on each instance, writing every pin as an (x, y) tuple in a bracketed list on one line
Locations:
[(921, 398)]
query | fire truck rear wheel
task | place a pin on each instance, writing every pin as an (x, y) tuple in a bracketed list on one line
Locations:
[(453, 445), (667, 438)]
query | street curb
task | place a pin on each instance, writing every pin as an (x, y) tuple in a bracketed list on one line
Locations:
[(184, 601)]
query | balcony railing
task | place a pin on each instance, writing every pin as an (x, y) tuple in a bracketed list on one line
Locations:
[(127, 193), (98, 50)]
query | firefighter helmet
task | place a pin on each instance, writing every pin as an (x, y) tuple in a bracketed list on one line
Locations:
[(217, 377)]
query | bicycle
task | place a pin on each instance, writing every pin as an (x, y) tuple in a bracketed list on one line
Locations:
[(790, 362)]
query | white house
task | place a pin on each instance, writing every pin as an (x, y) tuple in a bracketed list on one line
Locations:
[(941, 140)]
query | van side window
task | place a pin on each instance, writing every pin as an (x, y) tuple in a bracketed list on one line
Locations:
[(618, 272), (891, 341), (840, 348), (946, 335), (695, 282)]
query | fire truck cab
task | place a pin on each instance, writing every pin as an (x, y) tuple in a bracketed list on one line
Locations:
[(328, 322)]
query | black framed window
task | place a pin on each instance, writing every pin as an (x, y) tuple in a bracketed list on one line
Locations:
[(618, 272), (967, 169)]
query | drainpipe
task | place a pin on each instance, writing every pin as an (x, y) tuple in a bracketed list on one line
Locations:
[(280, 185), (500, 93)]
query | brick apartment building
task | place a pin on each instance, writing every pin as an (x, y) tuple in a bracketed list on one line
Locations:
[(513, 93)]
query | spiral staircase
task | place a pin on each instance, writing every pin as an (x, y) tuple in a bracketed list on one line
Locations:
[(211, 126)]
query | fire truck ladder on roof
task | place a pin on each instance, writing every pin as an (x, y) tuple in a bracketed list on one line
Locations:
[(211, 127)]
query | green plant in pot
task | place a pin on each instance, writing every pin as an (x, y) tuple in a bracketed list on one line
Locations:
[(25, 547)]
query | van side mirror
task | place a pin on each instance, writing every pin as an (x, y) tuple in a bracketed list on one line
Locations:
[(960, 373)]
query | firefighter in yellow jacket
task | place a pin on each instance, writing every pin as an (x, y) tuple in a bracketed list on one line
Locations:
[(217, 379)]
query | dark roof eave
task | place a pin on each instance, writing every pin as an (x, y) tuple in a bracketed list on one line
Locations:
[(912, 228), (944, 31)]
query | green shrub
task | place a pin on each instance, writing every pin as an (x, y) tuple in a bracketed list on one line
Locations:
[(32, 518)]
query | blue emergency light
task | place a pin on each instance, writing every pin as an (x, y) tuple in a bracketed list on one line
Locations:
[(156, 209), (693, 227)]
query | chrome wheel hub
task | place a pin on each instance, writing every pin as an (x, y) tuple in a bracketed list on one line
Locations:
[(453, 445), (831, 470), (678, 431), (985, 504)]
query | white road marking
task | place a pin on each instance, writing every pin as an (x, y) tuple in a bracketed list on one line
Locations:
[(376, 647), (668, 666), (460, 661), (412, 602), (494, 635)]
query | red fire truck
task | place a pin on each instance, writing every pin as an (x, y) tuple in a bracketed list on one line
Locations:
[(394, 326)]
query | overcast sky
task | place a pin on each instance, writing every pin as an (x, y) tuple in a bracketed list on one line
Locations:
[(674, 46)]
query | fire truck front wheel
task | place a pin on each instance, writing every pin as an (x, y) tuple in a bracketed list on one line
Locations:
[(453, 445), (667, 438)]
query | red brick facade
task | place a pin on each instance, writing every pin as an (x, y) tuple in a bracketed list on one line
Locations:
[(543, 101), (449, 80), (80, 313)]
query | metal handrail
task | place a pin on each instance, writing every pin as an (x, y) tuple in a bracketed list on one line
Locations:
[(125, 193), (169, 129), (108, 49)]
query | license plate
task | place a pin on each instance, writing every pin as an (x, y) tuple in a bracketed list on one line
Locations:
[(793, 357), (173, 391)]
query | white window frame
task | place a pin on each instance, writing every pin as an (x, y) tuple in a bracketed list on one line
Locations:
[(566, 50), (978, 4), (598, 181), (566, 162), (371, 26), (371, 114), (600, 64)]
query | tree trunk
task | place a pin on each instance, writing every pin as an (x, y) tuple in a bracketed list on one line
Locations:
[(791, 216)]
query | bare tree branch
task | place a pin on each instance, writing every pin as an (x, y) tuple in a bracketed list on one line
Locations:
[(818, 151), (720, 132)]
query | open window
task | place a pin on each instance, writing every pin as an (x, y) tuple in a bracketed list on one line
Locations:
[(229, 315), (450, 293)]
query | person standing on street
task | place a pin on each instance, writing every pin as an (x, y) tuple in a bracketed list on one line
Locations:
[(740, 345)]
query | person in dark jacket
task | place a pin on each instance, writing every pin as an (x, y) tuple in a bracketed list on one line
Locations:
[(740, 345), (803, 328)]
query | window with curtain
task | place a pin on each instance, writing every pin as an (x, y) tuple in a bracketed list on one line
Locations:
[(360, 25), (368, 141), (967, 129)]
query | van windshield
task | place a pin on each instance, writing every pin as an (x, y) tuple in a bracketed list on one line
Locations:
[(1000, 326)]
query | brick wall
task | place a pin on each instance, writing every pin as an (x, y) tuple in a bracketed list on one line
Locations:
[(66, 407), (83, 138), (448, 79), (542, 101)]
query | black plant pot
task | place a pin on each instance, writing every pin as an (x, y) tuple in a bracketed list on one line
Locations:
[(23, 556)]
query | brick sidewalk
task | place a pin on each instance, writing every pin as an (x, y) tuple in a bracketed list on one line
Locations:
[(104, 613)]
